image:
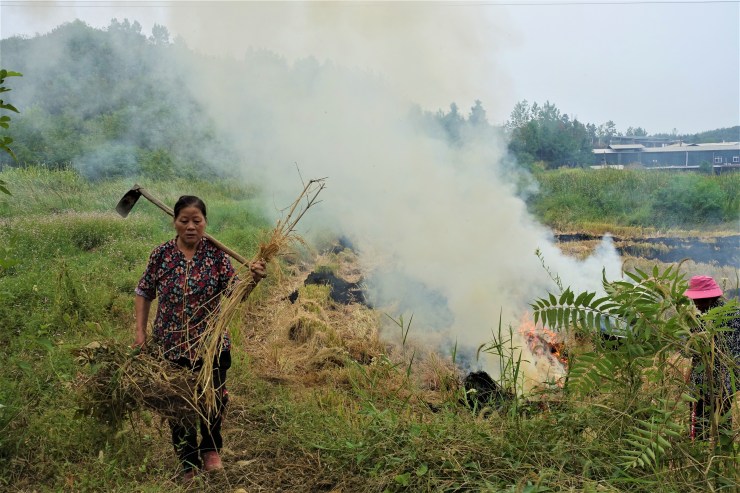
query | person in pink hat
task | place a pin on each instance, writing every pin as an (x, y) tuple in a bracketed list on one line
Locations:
[(706, 294)]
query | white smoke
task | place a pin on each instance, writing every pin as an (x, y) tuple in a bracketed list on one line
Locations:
[(441, 225)]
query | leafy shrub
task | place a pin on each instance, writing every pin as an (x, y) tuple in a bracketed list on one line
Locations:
[(649, 321)]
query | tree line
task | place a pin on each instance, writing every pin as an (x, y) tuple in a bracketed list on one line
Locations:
[(108, 103), (545, 137), (112, 102)]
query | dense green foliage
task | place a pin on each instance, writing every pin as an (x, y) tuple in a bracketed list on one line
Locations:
[(572, 198), (110, 103), (5, 140), (544, 134), (730, 134)]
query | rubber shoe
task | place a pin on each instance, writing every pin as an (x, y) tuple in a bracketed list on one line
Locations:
[(188, 476), (212, 461)]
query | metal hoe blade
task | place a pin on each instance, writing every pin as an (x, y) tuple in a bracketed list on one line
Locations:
[(127, 202)]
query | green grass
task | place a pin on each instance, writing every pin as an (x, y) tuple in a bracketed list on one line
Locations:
[(76, 266), (572, 198), (69, 267)]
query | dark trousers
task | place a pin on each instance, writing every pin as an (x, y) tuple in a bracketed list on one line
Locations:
[(700, 416), (185, 434)]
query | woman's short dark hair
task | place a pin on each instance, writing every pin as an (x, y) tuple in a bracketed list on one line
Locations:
[(190, 201)]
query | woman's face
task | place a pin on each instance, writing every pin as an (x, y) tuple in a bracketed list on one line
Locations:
[(705, 304), (190, 226)]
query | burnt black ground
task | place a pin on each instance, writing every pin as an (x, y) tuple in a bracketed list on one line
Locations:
[(721, 250)]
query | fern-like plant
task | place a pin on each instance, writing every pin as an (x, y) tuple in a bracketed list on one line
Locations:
[(635, 333)]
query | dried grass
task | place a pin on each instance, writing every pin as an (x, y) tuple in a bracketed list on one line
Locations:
[(123, 381), (280, 239), (296, 342)]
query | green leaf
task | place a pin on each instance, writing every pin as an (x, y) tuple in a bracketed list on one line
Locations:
[(25, 366), (588, 298), (403, 479), (422, 470), (580, 298), (8, 106), (595, 305), (46, 344)]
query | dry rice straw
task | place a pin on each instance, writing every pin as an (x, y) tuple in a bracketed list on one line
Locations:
[(281, 237), (123, 382)]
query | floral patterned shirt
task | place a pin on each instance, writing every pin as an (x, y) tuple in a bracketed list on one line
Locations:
[(189, 291)]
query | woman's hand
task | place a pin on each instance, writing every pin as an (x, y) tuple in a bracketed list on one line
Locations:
[(139, 340), (258, 270)]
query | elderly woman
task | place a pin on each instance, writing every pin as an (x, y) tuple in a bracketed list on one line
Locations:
[(189, 274)]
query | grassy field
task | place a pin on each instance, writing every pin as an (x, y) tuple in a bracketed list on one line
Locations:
[(319, 401), (636, 200)]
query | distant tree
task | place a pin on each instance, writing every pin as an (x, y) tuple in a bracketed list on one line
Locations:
[(520, 115), (607, 131), (730, 134), (160, 35), (125, 26), (452, 123), (591, 130), (544, 133), (636, 132), (477, 116)]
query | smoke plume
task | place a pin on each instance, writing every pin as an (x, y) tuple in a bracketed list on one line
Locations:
[(343, 91), (442, 231)]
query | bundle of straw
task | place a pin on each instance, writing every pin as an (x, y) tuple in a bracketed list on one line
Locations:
[(281, 237), (122, 381)]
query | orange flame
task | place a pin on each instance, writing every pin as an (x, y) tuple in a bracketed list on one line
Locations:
[(541, 340)]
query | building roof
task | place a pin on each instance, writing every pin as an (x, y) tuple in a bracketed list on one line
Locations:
[(729, 146), (626, 147), (720, 146)]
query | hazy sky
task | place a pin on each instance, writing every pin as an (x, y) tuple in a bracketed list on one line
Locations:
[(657, 64)]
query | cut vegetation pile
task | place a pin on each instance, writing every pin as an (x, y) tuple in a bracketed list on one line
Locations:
[(121, 381)]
